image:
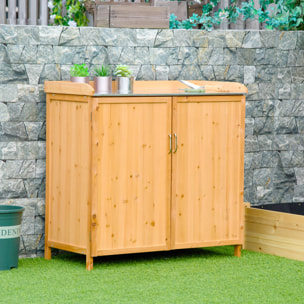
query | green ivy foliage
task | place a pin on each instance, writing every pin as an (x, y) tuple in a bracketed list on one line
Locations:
[(284, 15)]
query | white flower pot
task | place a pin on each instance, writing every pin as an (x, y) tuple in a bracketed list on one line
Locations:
[(103, 85), (80, 79), (124, 85)]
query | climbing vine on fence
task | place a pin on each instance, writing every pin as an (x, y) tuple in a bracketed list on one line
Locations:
[(275, 14)]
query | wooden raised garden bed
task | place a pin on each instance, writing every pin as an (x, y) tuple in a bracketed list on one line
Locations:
[(275, 233)]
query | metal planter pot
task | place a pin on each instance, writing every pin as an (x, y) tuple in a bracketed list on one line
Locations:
[(103, 85), (80, 79), (124, 85)]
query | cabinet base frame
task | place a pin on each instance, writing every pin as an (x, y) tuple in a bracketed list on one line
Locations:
[(89, 258)]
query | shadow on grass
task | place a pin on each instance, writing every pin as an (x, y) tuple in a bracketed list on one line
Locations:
[(150, 257)]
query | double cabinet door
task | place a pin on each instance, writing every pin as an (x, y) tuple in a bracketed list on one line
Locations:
[(167, 173)]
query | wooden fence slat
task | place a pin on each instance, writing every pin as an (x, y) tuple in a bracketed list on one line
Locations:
[(102, 16), (2, 11), (33, 12), (178, 8), (11, 12), (253, 24), (63, 9), (121, 2), (224, 24), (22, 12), (139, 16), (44, 13), (240, 24)]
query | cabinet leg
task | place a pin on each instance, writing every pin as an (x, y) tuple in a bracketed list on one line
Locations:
[(89, 262), (47, 252), (237, 250)]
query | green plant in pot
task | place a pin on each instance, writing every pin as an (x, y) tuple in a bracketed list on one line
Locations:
[(124, 79), (79, 73), (122, 71), (102, 80)]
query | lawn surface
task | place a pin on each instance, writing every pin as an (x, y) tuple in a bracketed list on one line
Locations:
[(209, 275)]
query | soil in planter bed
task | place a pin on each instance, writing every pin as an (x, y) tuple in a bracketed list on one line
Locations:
[(294, 208)]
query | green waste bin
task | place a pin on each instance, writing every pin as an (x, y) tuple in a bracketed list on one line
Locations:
[(10, 230)]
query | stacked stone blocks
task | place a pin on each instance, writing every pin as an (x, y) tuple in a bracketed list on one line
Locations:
[(269, 63)]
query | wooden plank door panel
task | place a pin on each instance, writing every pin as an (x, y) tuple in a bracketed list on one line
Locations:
[(207, 174), (68, 173), (131, 174)]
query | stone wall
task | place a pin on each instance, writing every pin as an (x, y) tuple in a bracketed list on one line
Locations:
[(270, 63)]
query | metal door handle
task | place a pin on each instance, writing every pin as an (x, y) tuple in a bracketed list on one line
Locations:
[(170, 136), (175, 149)]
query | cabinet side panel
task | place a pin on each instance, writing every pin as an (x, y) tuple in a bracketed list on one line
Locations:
[(133, 170), (68, 172), (207, 187)]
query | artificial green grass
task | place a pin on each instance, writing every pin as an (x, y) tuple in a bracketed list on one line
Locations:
[(208, 275)]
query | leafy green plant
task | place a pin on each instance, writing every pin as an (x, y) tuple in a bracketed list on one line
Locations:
[(102, 71), (276, 14), (206, 21), (79, 70), (184, 24), (75, 15), (122, 71), (286, 15)]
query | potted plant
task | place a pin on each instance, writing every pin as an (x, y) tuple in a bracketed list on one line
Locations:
[(102, 80), (79, 73), (124, 79)]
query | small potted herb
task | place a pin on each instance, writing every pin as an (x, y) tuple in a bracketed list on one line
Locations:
[(102, 80), (79, 73), (124, 79)]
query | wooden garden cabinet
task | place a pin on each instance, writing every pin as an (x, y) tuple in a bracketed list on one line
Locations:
[(155, 170)]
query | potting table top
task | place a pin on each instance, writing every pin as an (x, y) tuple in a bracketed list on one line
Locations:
[(151, 88)]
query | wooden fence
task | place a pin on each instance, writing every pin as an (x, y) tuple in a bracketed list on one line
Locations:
[(36, 12), (24, 12)]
